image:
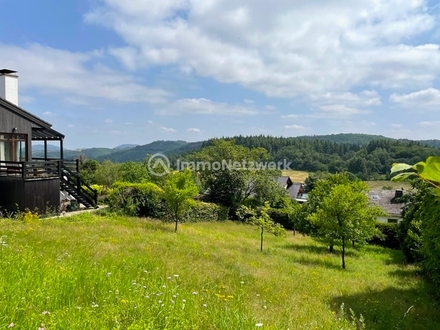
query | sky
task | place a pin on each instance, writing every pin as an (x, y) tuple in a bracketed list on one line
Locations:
[(111, 72)]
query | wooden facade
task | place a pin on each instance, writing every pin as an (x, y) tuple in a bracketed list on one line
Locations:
[(25, 183)]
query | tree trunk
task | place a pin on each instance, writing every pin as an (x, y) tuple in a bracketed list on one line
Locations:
[(330, 248), (175, 223), (294, 230), (343, 253), (352, 243), (261, 239)]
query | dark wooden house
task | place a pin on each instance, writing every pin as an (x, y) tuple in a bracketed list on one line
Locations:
[(27, 182)]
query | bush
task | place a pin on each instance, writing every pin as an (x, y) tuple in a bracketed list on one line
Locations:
[(386, 235), (137, 199), (202, 211), (430, 239), (281, 216)]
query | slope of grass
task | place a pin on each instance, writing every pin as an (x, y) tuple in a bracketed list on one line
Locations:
[(296, 176), (110, 272)]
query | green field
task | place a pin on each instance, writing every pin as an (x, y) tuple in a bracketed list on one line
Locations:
[(109, 272)]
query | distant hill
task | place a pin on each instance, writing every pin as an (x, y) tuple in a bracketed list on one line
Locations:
[(138, 153), (175, 149), (126, 146)]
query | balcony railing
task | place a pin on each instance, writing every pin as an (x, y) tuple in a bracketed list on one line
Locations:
[(30, 170)]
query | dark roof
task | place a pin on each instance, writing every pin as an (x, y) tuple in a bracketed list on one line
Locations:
[(284, 181), (293, 190), (7, 71), (42, 131), (383, 199)]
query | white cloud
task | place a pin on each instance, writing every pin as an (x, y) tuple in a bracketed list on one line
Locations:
[(196, 130), (204, 106), (395, 125), (280, 48), (108, 121), (339, 110), (296, 127), (168, 129), (430, 123), (420, 100), (75, 76)]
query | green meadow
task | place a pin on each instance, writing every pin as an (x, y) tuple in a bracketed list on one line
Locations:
[(93, 271)]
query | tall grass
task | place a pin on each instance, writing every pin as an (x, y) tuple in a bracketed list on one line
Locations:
[(110, 272)]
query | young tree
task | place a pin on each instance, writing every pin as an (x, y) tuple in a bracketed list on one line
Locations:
[(345, 215), (261, 218), (322, 187), (179, 191)]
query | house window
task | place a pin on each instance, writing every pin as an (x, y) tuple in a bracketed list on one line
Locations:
[(13, 147), (390, 220)]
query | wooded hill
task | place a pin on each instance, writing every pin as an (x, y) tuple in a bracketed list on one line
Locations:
[(367, 156)]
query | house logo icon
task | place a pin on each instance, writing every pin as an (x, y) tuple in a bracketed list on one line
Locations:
[(158, 164)]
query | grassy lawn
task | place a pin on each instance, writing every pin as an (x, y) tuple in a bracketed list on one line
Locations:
[(379, 184), (109, 272)]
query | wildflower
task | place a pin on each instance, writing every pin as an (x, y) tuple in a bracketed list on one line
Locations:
[(194, 292), (109, 273), (94, 305), (241, 282), (45, 313), (205, 305), (123, 301), (184, 300), (176, 275), (259, 325), (11, 325)]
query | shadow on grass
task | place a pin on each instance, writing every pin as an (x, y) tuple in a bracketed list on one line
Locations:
[(393, 308), (316, 249), (315, 262), (394, 257)]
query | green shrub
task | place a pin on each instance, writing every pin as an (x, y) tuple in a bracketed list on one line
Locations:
[(137, 199), (386, 235), (202, 211), (281, 216), (430, 247)]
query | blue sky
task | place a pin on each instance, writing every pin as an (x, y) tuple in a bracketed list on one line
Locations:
[(109, 72)]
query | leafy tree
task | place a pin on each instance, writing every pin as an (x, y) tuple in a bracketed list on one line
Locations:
[(179, 192), (133, 172), (261, 219), (87, 169), (424, 210), (322, 186), (107, 173), (229, 177), (345, 215)]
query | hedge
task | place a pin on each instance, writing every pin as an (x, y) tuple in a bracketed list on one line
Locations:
[(137, 199)]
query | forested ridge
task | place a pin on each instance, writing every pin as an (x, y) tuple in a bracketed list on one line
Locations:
[(371, 160)]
